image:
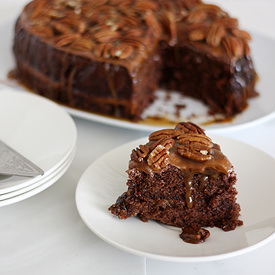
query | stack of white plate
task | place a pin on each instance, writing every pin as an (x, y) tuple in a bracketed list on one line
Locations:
[(41, 131)]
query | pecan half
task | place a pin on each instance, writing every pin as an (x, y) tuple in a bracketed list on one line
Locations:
[(66, 39), (158, 158), (169, 23), (189, 127), (197, 35), (140, 153), (135, 42), (166, 133), (82, 44), (43, 31), (145, 5), (215, 35), (38, 8), (195, 146), (122, 51), (82, 26), (241, 34), (194, 235), (61, 28), (168, 143), (228, 22), (196, 16), (233, 46), (106, 35)]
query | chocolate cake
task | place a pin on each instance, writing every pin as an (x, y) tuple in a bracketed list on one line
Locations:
[(109, 56), (181, 178)]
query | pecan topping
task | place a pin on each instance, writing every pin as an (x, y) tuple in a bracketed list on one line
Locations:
[(118, 29), (197, 16), (107, 28), (241, 34), (166, 133), (82, 44), (168, 143), (168, 21), (158, 158), (38, 7), (106, 36), (215, 35), (145, 5), (193, 235), (66, 39), (228, 22), (43, 31), (101, 50), (197, 35), (233, 46), (209, 23), (195, 146), (153, 22), (61, 28), (140, 153), (189, 127), (122, 51), (134, 42)]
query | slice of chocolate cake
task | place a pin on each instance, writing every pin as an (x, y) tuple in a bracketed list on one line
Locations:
[(181, 178)]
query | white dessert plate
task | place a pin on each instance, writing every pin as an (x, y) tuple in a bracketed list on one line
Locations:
[(260, 109), (38, 129), (55, 175), (33, 184), (105, 180), (37, 187)]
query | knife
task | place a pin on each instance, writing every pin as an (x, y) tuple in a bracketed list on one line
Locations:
[(14, 164)]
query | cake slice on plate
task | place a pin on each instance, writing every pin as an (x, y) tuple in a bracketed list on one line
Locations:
[(181, 178)]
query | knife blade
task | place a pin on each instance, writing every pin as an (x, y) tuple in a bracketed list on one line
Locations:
[(13, 163)]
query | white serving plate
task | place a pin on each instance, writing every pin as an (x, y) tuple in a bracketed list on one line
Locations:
[(105, 180)]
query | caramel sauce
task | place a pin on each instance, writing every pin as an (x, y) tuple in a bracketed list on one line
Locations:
[(218, 162), (194, 236), (111, 85), (151, 121), (12, 75), (203, 180), (165, 122), (218, 120)]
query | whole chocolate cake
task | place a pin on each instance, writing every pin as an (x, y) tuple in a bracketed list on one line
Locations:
[(181, 178), (109, 56)]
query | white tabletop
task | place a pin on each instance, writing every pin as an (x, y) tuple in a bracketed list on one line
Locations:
[(45, 234)]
